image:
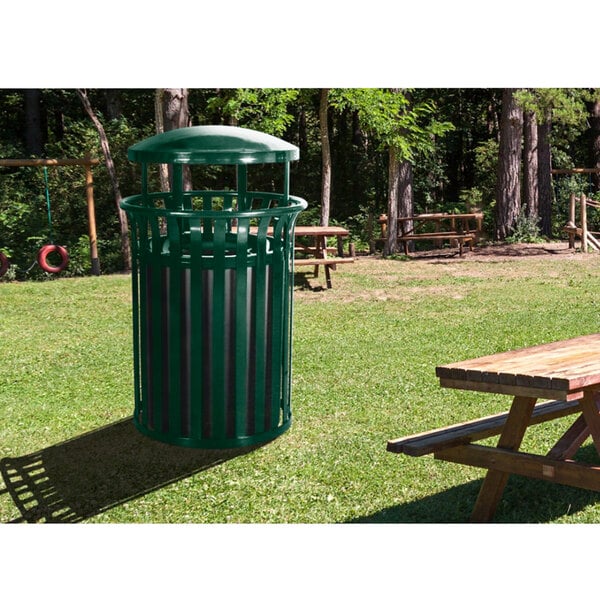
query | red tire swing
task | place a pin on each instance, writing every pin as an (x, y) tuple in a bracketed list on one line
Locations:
[(4, 264), (45, 251), (51, 248)]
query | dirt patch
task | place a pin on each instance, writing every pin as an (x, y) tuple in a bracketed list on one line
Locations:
[(440, 272), (557, 250)]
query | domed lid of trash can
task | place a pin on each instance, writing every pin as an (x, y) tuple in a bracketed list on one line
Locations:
[(213, 144)]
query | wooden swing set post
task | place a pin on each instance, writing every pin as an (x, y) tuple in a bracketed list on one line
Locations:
[(571, 223), (88, 162), (587, 237), (584, 228)]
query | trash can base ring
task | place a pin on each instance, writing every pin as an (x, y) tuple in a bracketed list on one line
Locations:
[(219, 443)]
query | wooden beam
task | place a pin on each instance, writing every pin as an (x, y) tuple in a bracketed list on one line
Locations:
[(570, 441), (478, 429), (91, 211), (510, 439), (566, 472), (48, 162), (573, 171)]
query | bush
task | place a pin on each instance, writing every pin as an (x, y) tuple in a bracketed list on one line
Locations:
[(526, 230)]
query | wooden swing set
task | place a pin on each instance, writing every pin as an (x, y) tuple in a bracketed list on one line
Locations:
[(589, 239), (87, 162)]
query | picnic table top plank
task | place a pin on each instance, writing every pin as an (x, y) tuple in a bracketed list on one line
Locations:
[(566, 365), (301, 230)]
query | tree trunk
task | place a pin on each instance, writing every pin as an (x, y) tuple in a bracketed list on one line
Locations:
[(325, 158), (113, 104), (400, 197), (33, 122), (594, 119), (545, 178), (508, 191), (530, 165), (391, 242), (406, 206), (163, 171), (176, 114), (405, 190), (112, 172)]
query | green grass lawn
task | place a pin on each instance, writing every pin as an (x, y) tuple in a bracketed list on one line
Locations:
[(364, 356)]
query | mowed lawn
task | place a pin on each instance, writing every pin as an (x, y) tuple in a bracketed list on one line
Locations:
[(364, 358)]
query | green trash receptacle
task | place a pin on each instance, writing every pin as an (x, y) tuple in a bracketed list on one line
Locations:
[(212, 282)]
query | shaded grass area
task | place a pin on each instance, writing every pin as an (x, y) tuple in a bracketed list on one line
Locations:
[(364, 372)]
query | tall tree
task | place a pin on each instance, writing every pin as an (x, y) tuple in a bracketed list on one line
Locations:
[(114, 110), (163, 171), (325, 157), (553, 107), (33, 122), (405, 190), (530, 165), (594, 118), (405, 127), (112, 172), (175, 115), (176, 110), (391, 242), (508, 191), (545, 176)]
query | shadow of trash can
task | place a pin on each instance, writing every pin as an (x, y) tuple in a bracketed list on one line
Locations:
[(212, 283)]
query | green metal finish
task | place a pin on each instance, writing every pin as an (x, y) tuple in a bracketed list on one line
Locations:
[(213, 145), (212, 290)]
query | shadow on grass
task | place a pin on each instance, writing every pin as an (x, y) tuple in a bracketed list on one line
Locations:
[(87, 475), (524, 501), (305, 281)]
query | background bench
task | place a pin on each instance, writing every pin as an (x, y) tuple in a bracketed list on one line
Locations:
[(460, 229), (317, 252)]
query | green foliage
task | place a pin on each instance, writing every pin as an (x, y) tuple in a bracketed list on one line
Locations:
[(486, 164), (398, 122), (566, 110), (526, 230), (22, 212), (472, 199), (450, 136), (263, 109), (559, 105), (79, 257)]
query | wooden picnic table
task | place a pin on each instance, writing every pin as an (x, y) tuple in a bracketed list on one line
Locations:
[(317, 249), (565, 373), (458, 228)]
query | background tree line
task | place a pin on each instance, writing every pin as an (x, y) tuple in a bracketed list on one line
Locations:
[(363, 152)]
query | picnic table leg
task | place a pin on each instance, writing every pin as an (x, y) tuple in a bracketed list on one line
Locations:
[(589, 409), (328, 275), (510, 439), (318, 253), (566, 447)]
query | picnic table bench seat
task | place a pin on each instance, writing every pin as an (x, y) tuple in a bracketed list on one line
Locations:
[(332, 260), (316, 252), (435, 440), (457, 228)]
